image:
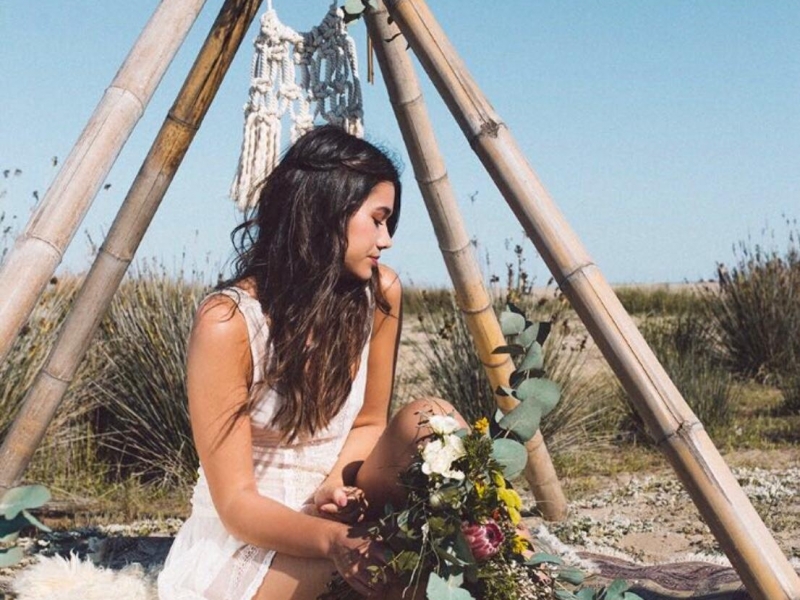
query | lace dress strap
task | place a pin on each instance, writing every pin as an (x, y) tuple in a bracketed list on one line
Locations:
[(257, 328)]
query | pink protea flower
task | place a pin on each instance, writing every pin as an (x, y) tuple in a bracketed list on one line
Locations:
[(484, 540)]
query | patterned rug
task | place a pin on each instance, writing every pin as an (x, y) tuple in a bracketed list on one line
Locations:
[(694, 579), (653, 582)]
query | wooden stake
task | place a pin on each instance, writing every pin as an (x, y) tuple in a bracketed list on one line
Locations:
[(454, 242), (136, 212), (39, 250), (749, 545)]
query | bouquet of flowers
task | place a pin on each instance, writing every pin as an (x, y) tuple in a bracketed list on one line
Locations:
[(458, 536)]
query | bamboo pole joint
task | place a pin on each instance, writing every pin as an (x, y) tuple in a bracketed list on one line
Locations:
[(141, 102), (46, 242), (187, 125), (432, 180), (579, 270), (683, 430), (117, 257), (418, 99)]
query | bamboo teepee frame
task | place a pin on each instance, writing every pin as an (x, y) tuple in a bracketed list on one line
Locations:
[(39, 250), (127, 231), (454, 243), (744, 538)]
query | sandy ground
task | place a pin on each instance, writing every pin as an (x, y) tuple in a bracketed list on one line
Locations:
[(648, 517), (645, 518)]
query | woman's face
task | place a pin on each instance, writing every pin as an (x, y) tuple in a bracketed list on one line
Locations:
[(367, 234)]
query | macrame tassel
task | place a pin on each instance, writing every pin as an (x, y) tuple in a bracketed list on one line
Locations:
[(333, 95), (261, 141)]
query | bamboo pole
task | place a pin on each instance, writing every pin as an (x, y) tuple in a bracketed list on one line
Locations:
[(40, 248), (130, 225), (745, 539), (471, 295)]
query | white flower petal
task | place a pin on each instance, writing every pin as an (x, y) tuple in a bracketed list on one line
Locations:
[(443, 424)]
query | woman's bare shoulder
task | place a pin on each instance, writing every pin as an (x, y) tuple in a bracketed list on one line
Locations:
[(219, 321), (390, 284)]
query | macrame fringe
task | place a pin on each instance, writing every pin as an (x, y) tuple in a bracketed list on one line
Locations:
[(329, 89)]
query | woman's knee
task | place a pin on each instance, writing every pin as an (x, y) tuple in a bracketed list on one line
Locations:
[(412, 417), (295, 578)]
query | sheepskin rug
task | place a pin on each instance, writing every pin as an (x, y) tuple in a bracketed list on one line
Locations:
[(58, 578)]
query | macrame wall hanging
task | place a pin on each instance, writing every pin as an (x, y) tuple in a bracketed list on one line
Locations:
[(307, 76)]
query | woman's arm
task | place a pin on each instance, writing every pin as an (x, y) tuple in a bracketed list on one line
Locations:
[(372, 418), (219, 368)]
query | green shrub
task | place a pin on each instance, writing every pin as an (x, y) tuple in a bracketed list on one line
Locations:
[(789, 384), (756, 311), (143, 427), (454, 371), (27, 356), (657, 301), (683, 345)]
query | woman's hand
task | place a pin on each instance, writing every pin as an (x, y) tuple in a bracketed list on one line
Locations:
[(342, 503), (359, 559)]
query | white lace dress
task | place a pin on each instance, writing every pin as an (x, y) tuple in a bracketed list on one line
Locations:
[(205, 561)]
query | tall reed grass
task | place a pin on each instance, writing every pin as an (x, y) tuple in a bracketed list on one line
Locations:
[(67, 437), (643, 301), (143, 426), (756, 310), (684, 344)]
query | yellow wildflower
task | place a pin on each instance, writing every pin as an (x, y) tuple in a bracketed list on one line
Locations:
[(513, 503), (498, 480), (480, 488), (481, 426), (519, 544)]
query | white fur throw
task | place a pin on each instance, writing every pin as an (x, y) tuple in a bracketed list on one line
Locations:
[(57, 578)]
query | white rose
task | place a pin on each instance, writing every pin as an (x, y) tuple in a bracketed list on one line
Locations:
[(442, 424), (438, 457)]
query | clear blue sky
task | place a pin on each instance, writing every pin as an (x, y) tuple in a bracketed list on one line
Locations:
[(666, 131)]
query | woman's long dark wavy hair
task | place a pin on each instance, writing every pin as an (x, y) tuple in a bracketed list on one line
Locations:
[(292, 246)]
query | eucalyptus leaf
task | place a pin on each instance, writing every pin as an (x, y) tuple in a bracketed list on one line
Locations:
[(543, 557), (8, 526), (511, 456), (512, 349), (616, 589), (565, 595), (511, 323), (19, 498), (498, 415), (516, 378), (9, 538), (544, 331), (511, 307), (529, 335), (631, 596), (544, 391), (446, 589), (571, 575), (10, 556), (523, 420), (586, 593), (534, 358), (35, 522)]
